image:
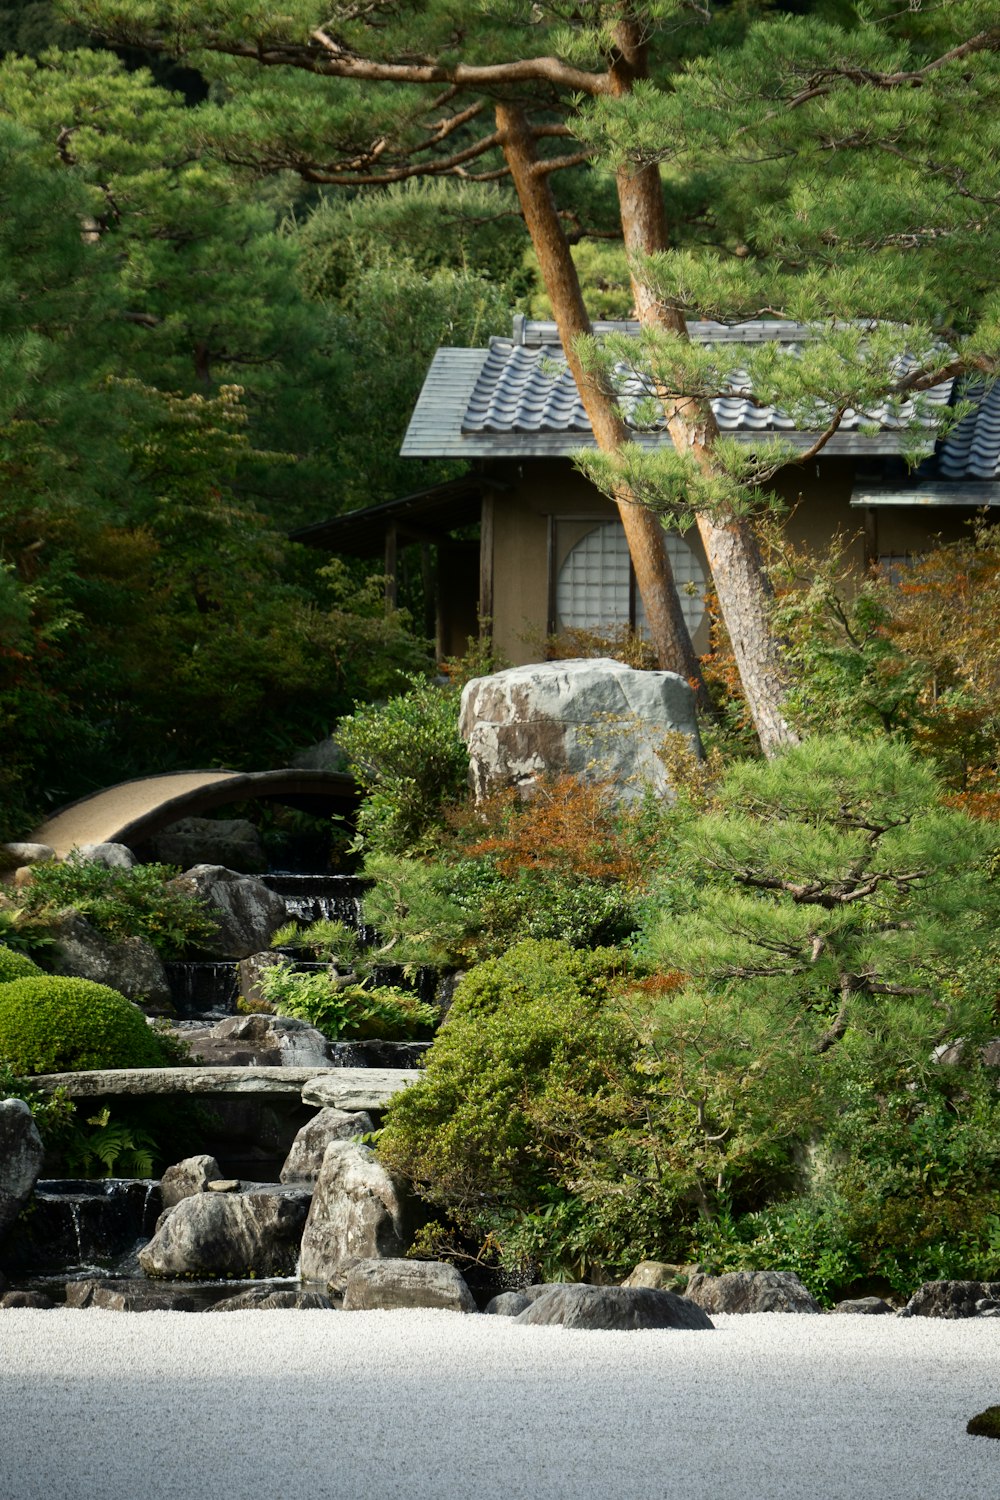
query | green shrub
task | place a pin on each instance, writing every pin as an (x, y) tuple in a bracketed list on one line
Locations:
[(15, 965), (342, 1010), (520, 1128), (141, 902), (59, 1025), (409, 758)]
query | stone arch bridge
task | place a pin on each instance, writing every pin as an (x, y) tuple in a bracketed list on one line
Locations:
[(134, 811)]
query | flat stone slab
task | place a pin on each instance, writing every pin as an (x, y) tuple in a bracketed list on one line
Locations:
[(343, 1088)]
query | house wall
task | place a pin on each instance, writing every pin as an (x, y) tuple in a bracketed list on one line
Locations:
[(817, 498)]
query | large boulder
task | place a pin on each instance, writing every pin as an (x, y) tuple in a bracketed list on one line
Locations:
[(751, 1292), (389, 1284), (595, 718), (661, 1275), (509, 1304), (613, 1307), (305, 1159), (245, 912), (233, 842), (357, 1213), (22, 856), (21, 1155), (953, 1299), (131, 965), (250, 1234), (188, 1177)]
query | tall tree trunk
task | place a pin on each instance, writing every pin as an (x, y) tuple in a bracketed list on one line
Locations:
[(647, 548), (741, 582)]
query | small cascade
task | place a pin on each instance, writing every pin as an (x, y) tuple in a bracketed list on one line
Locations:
[(204, 988), (78, 1222), (322, 898)]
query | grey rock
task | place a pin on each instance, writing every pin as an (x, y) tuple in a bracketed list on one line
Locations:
[(250, 971), (269, 1299), (357, 1088), (357, 1213), (131, 966), (187, 1177), (950, 1299), (245, 912), (232, 842), (509, 1304), (309, 1147), (658, 1274), (21, 1156), (260, 1041), (871, 1307), (111, 856), (134, 1295), (20, 856), (254, 1233), (27, 1299), (595, 718), (390, 1284), (614, 1307), (325, 755), (224, 1185), (751, 1292)]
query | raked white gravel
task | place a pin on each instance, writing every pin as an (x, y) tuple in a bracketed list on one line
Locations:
[(439, 1406)]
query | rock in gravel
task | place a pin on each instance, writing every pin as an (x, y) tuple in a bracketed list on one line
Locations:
[(952, 1299), (659, 1274), (187, 1177), (751, 1292), (309, 1147), (21, 1155), (614, 1307), (255, 1233), (392, 1284), (26, 1299), (509, 1304), (357, 1213), (871, 1307)]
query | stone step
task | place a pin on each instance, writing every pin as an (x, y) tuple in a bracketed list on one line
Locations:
[(342, 1088)]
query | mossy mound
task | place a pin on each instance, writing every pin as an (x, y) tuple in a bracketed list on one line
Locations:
[(987, 1424), (53, 1024), (14, 965)]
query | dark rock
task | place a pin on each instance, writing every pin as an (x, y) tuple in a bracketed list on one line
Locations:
[(258, 1041), (395, 1283), (131, 966), (231, 842), (21, 1156), (245, 912), (268, 1299), (357, 1213), (751, 1292), (509, 1304), (309, 1147), (26, 1299), (187, 1177), (951, 1299), (255, 1233), (613, 1307), (986, 1424), (871, 1307), (131, 1296)]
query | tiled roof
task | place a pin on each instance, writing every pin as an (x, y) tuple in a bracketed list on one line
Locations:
[(517, 398)]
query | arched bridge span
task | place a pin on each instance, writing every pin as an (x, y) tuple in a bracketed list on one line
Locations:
[(134, 811)]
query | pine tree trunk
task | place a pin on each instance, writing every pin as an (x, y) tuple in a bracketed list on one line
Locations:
[(741, 582), (646, 543)]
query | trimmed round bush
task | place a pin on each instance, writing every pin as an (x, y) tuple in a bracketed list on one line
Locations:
[(14, 965), (54, 1024)]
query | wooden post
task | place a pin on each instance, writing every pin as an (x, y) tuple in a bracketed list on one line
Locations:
[(391, 567), (486, 514)]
